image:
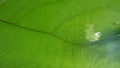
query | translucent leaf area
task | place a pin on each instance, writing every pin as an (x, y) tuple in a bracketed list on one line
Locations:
[(59, 33)]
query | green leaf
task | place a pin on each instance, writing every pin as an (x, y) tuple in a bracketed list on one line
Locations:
[(59, 34)]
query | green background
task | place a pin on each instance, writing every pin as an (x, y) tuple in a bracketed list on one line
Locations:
[(51, 34)]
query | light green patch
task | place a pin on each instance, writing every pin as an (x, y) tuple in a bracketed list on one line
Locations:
[(2, 1), (91, 35)]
